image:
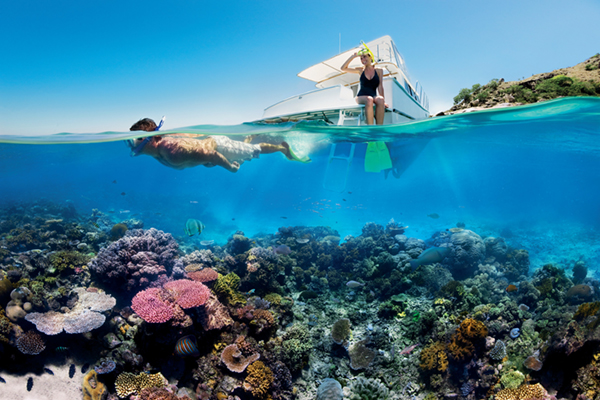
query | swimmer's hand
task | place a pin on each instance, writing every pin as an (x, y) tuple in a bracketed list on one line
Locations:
[(234, 167)]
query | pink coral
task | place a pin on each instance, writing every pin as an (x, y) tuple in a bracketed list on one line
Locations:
[(204, 275), (151, 307), (188, 294)]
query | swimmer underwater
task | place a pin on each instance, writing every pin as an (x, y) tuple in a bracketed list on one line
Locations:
[(186, 150)]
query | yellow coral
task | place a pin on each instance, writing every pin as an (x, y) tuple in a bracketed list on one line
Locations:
[(92, 388), (434, 357), (273, 298), (227, 286), (523, 392), (469, 331), (259, 380), (587, 310), (128, 383)]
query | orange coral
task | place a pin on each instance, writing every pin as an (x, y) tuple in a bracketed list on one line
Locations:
[(434, 357), (263, 319), (587, 310), (259, 379), (468, 332)]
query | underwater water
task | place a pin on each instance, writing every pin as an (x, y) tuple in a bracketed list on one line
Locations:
[(529, 175)]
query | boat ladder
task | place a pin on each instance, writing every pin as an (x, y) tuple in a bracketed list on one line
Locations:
[(340, 156)]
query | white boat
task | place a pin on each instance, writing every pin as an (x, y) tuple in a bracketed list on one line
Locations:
[(334, 99)]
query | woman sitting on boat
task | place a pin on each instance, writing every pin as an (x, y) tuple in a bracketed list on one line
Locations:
[(371, 81)]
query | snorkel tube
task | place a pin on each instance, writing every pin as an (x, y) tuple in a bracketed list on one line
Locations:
[(139, 147), (366, 50)]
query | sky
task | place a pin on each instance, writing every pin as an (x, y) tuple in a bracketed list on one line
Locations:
[(92, 66)]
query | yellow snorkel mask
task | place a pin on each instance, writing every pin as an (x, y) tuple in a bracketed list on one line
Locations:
[(366, 50)]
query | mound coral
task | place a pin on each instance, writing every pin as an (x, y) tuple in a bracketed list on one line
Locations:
[(234, 360), (188, 294), (433, 357), (524, 392), (368, 389), (360, 355), (31, 343), (580, 292), (259, 380), (137, 259), (127, 383), (330, 389), (83, 317), (263, 319)]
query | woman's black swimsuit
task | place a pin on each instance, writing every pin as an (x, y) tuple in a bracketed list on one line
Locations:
[(368, 87)]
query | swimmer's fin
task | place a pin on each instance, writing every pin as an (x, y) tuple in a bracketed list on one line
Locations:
[(377, 157), (294, 157)]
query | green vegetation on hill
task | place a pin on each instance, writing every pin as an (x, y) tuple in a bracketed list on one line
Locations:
[(580, 80)]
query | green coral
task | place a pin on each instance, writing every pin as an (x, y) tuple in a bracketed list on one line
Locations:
[(512, 379), (5, 327), (295, 347)]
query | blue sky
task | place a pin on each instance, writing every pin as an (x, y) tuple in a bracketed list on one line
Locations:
[(96, 66)]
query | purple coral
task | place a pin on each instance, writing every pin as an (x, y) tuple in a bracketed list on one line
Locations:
[(137, 259)]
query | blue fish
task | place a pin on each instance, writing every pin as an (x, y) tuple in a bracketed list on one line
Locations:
[(85, 367), (430, 256), (186, 346), (72, 371), (48, 370), (29, 384), (2, 380)]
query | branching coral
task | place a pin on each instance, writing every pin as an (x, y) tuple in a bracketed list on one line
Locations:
[(227, 287), (463, 341), (587, 310)]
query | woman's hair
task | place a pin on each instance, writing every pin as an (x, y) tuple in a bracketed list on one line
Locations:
[(145, 124)]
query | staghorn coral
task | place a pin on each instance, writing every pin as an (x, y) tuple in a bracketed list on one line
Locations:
[(84, 316), (433, 357), (234, 360), (127, 383), (31, 343), (294, 348), (259, 379), (92, 388), (524, 392), (137, 259)]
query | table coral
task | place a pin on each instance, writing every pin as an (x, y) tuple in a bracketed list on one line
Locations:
[(151, 307), (234, 360), (188, 293)]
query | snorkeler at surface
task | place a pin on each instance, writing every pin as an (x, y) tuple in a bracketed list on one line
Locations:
[(371, 81), (186, 150)]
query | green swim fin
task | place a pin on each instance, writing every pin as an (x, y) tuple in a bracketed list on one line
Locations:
[(377, 157), (304, 159)]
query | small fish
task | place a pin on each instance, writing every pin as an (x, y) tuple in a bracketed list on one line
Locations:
[(283, 217), (409, 349), (96, 225), (434, 216), (349, 192), (186, 346), (2, 380), (122, 193), (48, 370), (193, 202), (354, 284), (249, 292), (233, 219), (511, 288), (430, 256), (85, 367), (193, 226), (282, 249), (124, 211), (72, 371), (110, 211), (344, 199), (61, 349), (29, 384), (207, 242), (302, 240), (114, 181)]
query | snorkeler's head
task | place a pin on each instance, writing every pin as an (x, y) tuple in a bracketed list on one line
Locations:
[(367, 54), (145, 124)]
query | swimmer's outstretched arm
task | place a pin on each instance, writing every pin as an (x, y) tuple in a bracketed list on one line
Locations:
[(219, 159)]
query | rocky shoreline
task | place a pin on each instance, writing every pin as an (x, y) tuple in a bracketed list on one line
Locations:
[(581, 79)]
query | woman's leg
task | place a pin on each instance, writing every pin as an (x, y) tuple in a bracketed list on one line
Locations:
[(379, 109), (368, 102)]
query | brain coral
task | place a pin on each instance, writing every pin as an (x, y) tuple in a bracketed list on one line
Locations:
[(330, 389), (524, 392)]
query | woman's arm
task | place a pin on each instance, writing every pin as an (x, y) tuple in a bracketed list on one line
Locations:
[(351, 70), (380, 87)]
